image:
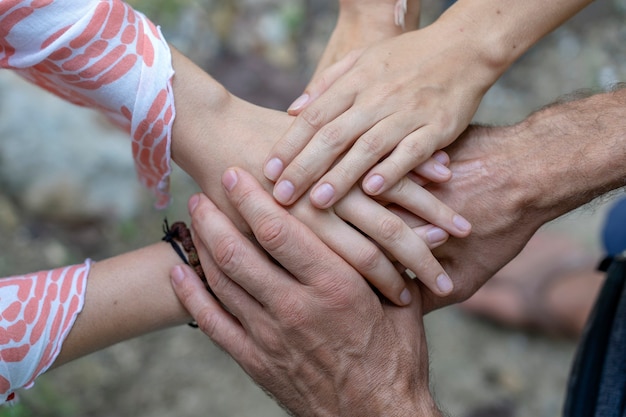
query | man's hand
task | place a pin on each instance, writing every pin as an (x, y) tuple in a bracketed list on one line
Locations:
[(492, 185), (215, 130), (320, 340)]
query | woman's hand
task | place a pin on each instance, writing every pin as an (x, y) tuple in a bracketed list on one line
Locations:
[(386, 110), (398, 102), (215, 130)]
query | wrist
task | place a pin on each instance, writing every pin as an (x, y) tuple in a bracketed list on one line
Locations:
[(200, 102), (578, 149), (503, 33)]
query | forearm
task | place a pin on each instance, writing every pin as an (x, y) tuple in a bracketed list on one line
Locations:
[(574, 151), (126, 296), (361, 24), (500, 31)]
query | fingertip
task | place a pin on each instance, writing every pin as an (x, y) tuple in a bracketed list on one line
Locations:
[(442, 157), (177, 274), (444, 284), (442, 170), (283, 191), (273, 168), (322, 195), (298, 104), (193, 203), (405, 297), (229, 179), (436, 236), (462, 225), (373, 184)]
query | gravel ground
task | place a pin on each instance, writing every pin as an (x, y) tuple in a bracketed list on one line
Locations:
[(478, 369)]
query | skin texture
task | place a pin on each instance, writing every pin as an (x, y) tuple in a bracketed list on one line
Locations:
[(208, 115), (113, 312), (374, 116), (509, 181), (109, 287), (362, 23), (283, 328)]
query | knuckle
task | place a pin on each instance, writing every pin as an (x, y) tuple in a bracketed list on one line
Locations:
[(227, 253), (332, 137), (313, 117), (368, 258), (416, 149), (389, 229), (372, 145), (299, 171), (207, 322), (401, 187), (271, 232), (244, 197)]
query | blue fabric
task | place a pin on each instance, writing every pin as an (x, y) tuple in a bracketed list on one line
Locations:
[(614, 230)]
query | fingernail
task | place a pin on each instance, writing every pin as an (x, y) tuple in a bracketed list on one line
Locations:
[(323, 194), (273, 169), (374, 183), (442, 169), (444, 283), (299, 103), (229, 179), (461, 224), (436, 235), (441, 157), (283, 191), (178, 275), (405, 297), (193, 203)]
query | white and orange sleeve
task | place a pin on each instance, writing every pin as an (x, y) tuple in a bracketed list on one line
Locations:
[(104, 55), (37, 312)]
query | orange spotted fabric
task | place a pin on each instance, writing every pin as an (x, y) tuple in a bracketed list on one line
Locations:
[(104, 55)]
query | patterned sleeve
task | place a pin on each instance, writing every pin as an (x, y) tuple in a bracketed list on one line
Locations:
[(104, 55), (37, 312)]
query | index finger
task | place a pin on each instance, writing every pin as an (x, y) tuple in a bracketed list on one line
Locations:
[(290, 242)]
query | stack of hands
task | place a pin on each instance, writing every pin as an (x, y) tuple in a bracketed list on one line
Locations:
[(326, 232), (371, 201)]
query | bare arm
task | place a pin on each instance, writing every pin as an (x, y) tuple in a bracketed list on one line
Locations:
[(511, 180), (127, 296)]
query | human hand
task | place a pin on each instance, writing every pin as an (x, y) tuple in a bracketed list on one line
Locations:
[(215, 131), (319, 341), (495, 172), (404, 97)]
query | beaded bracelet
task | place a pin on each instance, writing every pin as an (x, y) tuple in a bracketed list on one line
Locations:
[(179, 233)]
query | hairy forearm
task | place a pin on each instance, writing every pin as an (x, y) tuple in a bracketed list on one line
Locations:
[(575, 151)]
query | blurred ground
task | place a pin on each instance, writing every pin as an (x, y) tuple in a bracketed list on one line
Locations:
[(264, 51)]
